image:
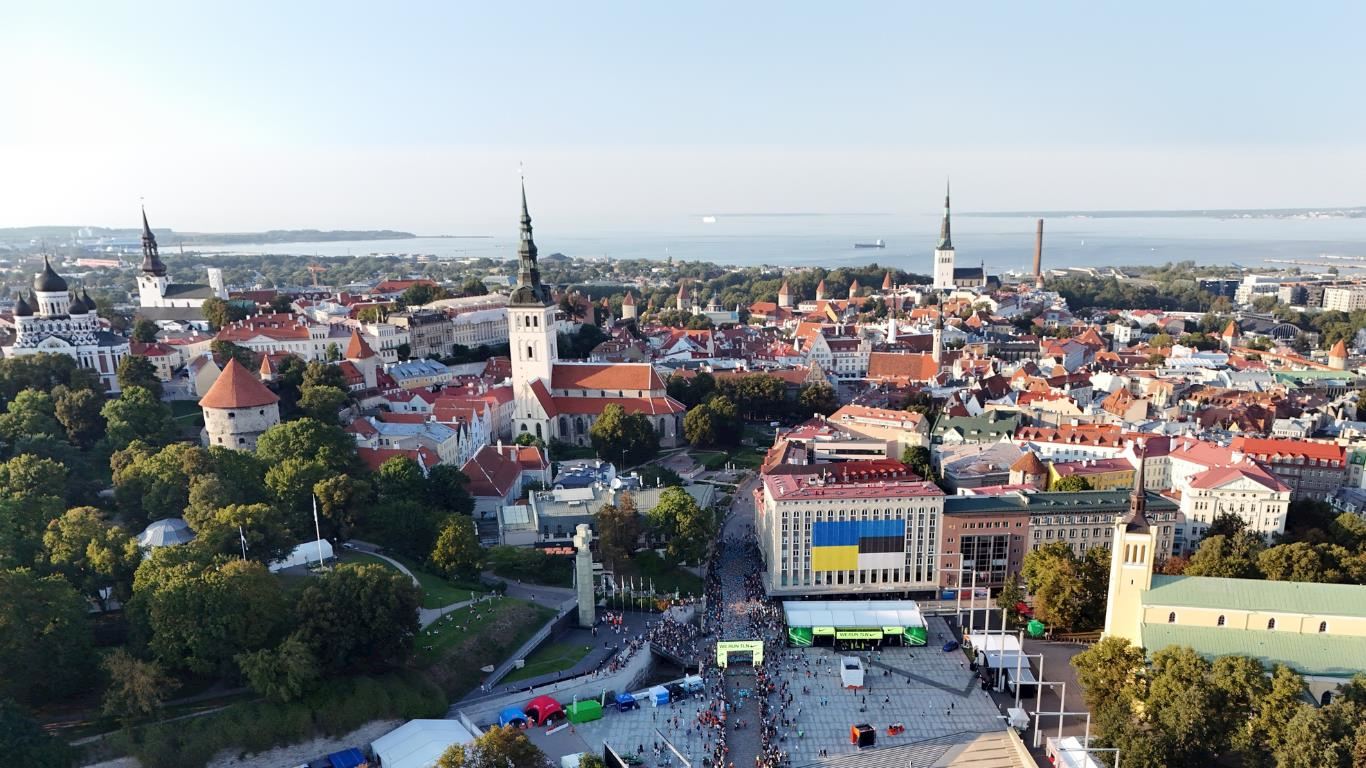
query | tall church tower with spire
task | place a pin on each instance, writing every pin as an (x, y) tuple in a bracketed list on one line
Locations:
[(1133, 554), (152, 280), (531, 319), (943, 251)]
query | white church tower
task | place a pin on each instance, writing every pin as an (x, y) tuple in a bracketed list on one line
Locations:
[(1133, 555), (943, 251), (531, 319), (152, 280)]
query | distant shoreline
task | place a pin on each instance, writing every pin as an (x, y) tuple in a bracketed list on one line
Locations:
[(1217, 213)]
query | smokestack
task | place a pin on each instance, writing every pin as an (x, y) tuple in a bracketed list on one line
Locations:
[(1038, 256)]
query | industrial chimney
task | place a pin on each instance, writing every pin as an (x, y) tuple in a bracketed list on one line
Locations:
[(1038, 256)]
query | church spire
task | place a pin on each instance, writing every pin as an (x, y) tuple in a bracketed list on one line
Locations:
[(945, 241), (529, 289), (151, 259), (1137, 519)]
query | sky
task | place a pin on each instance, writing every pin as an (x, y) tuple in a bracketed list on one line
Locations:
[(417, 115)]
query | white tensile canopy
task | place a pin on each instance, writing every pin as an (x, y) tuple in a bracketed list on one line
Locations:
[(852, 613), (418, 743)]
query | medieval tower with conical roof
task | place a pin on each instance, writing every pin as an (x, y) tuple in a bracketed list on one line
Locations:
[(238, 408)]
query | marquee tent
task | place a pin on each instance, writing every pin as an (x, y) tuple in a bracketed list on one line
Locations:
[(512, 716), (543, 709), (418, 743), (816, 622)]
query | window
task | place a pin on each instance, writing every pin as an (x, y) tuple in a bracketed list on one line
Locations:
[(1171, 617), (1270, 623), (1323, 626), (1220, 623)]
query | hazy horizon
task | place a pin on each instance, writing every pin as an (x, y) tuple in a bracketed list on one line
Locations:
[(257, 116)]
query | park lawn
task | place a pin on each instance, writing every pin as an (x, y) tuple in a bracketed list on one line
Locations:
[(438, 591), (550, 657), (572, 452), (451, 651), (748, 458), (356, 557)]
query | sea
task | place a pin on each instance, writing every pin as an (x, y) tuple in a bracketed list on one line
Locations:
[(1003, 244)]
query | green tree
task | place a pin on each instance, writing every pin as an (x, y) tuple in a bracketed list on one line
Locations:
[(268, 537), (138, 371), (448, 489), (308, 439), (30, 413), (405, 525), (30, 499), (78, 410), (1298, 562), (358, 618), (422, 293), (699, 427), (322, 403), (1010, 596), (618, 531), (817, 398), (144, 331), (505, 747), (137, 414), (92, 554), (45, 642), (918, 458), (1054, 579), (318, 374), (1228, 557), (1264, 733), (199, 619), (219, 313), (473, 286), (400, 479), (1226, 524), (686, 527), (152, 484), (283, 673), (1110, 671), (282, 303), (457, 554), (1070, 484), (136, 688), (291, 483), (337, 507), (224, 350), (24, 742), (617, 436), (1180, 701)]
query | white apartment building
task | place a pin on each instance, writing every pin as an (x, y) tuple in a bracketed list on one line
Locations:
[(480, 327), (848, 538), (1254, 286), (1346, 298), (1245, 490)]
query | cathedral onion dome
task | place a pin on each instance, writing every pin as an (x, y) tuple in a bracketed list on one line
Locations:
[(33, 300), (48, 281), (21, 308), (77, 307)]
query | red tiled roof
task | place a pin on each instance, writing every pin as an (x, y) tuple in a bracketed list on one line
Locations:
[(235, 387), (151, 349), (398, 286), (373, 458), (1265, 448), (1217, 476), (357, 349), (650, 406), (889, 365), (594, 376)]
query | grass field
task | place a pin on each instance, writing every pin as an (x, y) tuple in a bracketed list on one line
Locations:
[(452, 650), (551, 657), (438, 591), (667, 578)]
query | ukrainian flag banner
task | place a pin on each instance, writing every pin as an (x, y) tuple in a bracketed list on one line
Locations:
[(848, 545)]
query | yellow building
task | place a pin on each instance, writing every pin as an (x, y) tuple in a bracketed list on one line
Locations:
[(1318, 630), (1101, 474)]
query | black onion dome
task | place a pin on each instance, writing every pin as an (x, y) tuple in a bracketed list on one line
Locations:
[(48, 281)]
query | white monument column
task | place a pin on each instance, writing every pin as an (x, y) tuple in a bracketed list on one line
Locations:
[(583, 576)]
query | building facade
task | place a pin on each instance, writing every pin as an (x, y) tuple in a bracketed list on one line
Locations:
[(848, 538), (55, 321)]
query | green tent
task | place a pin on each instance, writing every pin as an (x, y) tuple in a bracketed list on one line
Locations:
[(1035, 628), (799, 637), (916, 635), (584, 711)]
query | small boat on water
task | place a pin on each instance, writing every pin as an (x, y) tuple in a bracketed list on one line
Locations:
[(874, 244)]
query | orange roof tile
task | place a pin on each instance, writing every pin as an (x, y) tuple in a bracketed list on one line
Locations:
[(357, 349), (616, 376), (890, 365), (237, 388)]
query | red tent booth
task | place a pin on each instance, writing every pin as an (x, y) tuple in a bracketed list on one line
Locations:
[(544, 709)]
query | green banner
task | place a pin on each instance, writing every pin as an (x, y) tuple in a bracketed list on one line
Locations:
[(799, 636), (823, 630), (916, 636), (891, 630)]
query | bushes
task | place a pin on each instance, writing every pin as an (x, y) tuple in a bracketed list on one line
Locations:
[(336, 708), (533, 565)]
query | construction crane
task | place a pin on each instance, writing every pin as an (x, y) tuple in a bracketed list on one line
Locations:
[(316, 269)]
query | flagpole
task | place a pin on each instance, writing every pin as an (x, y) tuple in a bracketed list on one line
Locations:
[(317, 528)]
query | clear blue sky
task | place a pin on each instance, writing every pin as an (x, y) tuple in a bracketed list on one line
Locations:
[(414, 115)]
